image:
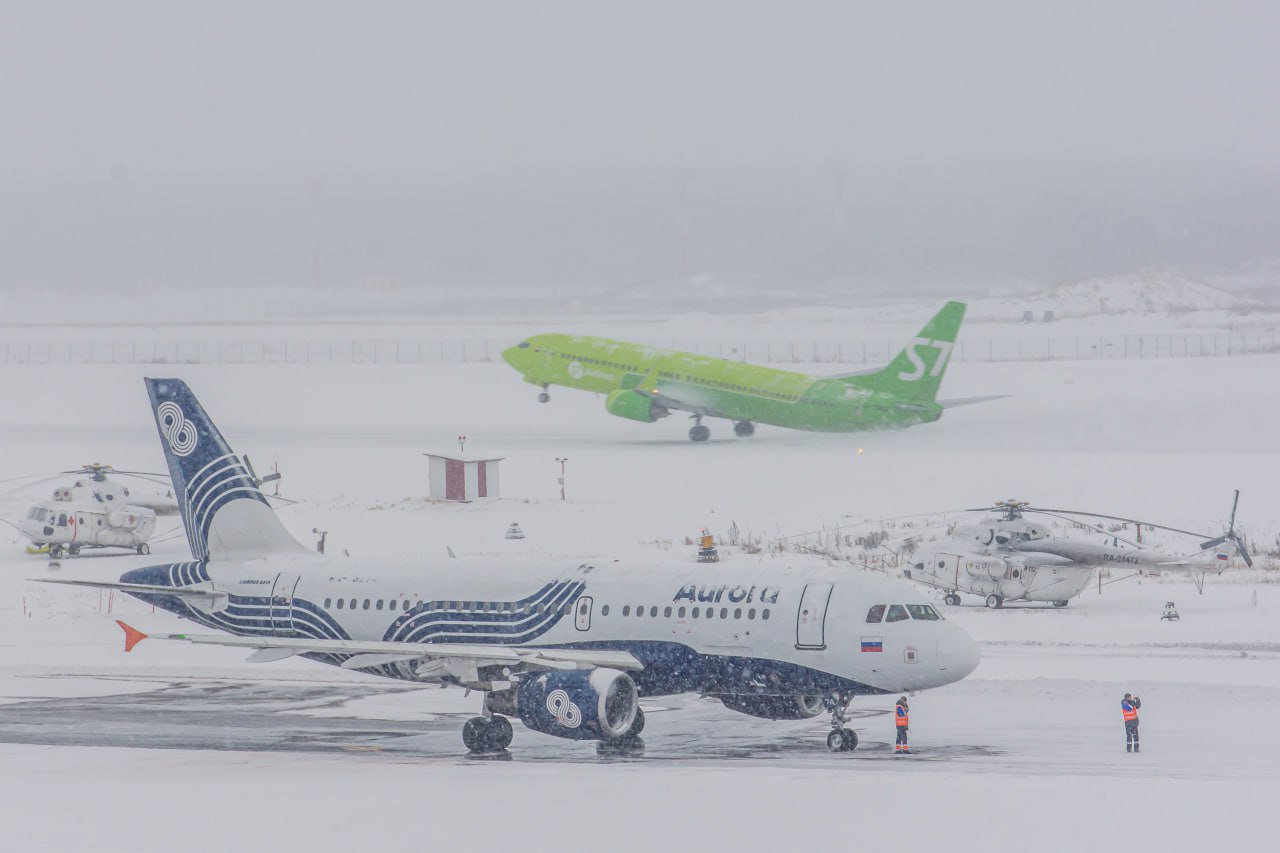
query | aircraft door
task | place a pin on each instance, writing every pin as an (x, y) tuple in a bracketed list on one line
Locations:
[(282, 603), (812, 616), (582, 613)]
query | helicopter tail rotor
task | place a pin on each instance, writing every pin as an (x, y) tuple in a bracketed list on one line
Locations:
[(1231, 536)]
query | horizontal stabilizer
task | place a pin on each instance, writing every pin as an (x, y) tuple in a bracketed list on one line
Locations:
[(969, 401), (189, 592)]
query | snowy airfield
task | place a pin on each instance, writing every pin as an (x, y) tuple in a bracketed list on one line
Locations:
[(1026, 752)]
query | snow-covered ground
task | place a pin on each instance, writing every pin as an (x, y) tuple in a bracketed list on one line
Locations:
[(1026, 751)]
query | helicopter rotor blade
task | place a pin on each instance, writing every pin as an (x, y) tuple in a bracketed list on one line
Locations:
[(1213, 543), (1244, 552)]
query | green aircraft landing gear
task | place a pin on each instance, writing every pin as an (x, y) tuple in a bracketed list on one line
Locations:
[(545, 396), (742, 429), (698, 432)]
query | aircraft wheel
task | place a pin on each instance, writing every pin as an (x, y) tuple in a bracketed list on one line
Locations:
[(499, 735), (144, 549), (699, 433), (994, 601), (620, 746), (742, 429), (850, 740), (951, 599), (73, 550), (1060, 604), (475, 734), (841, 740), (55, 552), (544, 397)]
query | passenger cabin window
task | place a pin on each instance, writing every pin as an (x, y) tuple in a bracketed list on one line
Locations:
[(604, 611), (876, 613), (923, 611), (897, 613)]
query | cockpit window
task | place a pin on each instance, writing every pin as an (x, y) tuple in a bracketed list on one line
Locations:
[(876, 613), (523, 345), (897, 613), (62, 520), (923, 611)]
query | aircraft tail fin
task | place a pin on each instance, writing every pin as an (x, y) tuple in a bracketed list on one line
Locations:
[(224, 513), (916, 372)]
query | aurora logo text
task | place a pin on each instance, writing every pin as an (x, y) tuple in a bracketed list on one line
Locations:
[(917, 363)]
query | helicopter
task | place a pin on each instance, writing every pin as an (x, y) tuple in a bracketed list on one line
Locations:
[(1014, 558), (101, 511)]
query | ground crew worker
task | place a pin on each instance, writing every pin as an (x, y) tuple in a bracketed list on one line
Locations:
[(901, 719), (1129, 706)]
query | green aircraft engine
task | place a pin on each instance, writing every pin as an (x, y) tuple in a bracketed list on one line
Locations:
[(634, 405)]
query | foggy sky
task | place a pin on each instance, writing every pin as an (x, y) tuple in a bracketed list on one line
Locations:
[(606, 143)]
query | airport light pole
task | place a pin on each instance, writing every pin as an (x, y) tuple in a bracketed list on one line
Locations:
[(562, 460)]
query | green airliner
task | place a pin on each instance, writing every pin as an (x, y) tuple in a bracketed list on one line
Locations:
[(645, 383)]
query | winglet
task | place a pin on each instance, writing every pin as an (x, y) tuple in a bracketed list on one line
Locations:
[(132, 636)]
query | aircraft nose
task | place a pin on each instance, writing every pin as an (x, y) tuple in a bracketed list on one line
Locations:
[(958, 653)]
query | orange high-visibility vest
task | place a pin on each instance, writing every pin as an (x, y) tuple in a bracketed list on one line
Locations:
[(902, 716), (1130, 713)]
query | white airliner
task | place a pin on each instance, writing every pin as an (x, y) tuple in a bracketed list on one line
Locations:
[(569, 651)]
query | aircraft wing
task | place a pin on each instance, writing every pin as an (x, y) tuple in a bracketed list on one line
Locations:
[(367, 653), (969, 401)]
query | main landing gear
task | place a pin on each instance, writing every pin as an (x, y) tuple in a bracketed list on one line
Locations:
[(951, 598), (994, 601), (1060, 603), (487, 734), (742, 429), (698, 432), (840, 739), (545, 396)]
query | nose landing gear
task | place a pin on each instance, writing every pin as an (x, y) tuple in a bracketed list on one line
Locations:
[(840, 739), (545, 396)]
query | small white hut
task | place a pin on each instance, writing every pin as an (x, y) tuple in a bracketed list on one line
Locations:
[(454, 479)]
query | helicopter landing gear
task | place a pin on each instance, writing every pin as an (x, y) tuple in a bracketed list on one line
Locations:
[(698, 432), (742, 429), (994, 601), (73, 550), (487, 734), (839, 739), (144, 549), (545, 396), (55, 552), (1060, 603), (951, 598)]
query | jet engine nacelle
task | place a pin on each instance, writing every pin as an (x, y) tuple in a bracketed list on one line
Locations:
[(634, 405), (796, 707), (600, 704)]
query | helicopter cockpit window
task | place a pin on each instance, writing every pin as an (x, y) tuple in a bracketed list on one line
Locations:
[(876, 613), (923, 611), (62, 519), (897, 613)]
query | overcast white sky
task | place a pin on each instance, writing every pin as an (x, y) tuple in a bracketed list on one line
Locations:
[(532, 114)]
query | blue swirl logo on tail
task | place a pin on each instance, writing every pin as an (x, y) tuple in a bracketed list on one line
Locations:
[(177, 430)]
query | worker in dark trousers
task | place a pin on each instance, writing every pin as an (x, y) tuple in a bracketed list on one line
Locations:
[(900, 719), (1129, 706)]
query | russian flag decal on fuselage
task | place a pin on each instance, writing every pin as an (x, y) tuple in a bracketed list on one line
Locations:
[(872, 644)]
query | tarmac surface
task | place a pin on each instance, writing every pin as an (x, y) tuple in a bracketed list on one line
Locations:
[(256, 716)]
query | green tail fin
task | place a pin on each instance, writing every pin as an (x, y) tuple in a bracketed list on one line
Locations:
[(916, 372)]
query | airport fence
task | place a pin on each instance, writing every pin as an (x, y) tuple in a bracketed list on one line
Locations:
[(459, 351)]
